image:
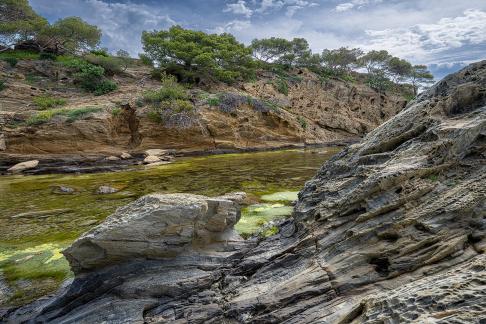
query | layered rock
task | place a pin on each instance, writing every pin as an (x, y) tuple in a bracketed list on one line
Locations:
[(392, 230), (157, 227)]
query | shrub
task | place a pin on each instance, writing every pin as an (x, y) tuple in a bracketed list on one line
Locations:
[(282, 86), (45, 102), (230, 102), (213, 101), (12, 61), (145, 60), (100, 52), (72, 115), (104, 87), (90, 76), (79, 113), (3, 85), (47, 56), (302, 122), (170, 90), (19, 55), (116, 111), (111, 65), (43, 117)]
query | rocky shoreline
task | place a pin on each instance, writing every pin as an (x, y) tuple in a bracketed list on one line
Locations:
[(94, 163), (392, 229)]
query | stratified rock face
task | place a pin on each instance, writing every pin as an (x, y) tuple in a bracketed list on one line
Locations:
[(392, 230), (155, 226)]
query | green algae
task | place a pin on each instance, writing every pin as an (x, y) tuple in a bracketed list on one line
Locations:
[(26, 243), (255, 216), (281, 196)]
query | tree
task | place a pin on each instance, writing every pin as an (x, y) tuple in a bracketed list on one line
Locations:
[(420, 75), (281, 51), (399, 69), (374, 61), (124, 57), (342, 60), (71, 34), (270, 50), (18, 22), (195, 55)]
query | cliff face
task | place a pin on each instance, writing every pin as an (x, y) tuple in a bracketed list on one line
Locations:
[(312, 111), (392, 230)]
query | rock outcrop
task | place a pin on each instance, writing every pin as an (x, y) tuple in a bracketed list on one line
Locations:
[(391, 230), (157, 227)]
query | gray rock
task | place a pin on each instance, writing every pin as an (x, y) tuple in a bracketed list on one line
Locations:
[(105, 190), (126, 156), (63, 190), (152, 159), (23, 166), (391, 230), (112, 158), (156, 152), (155, 226)]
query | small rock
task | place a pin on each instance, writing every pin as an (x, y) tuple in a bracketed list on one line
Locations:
[(156, 152), (19, 167), (151, 159), (157, 164), (63, 190), (112, 158), (105, 190), (126, 156), (3, 144)]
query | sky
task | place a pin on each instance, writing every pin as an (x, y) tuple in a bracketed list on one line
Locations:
[(443, 34)]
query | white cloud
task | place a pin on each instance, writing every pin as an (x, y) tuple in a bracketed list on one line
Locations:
[(429, 42), (233, 27), (267, 5), (239, 8), (358, 4)]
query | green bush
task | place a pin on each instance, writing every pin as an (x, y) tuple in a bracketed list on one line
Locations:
[(11, 60), (90, 76), (72, 114), (170, 90), (43, 116), (3, 85), (213, 101), (104, 87), (45, 102), (79, 113), (19, 55), (302, 122), (115, 112), (145, 60), (282, 86), (111, 65), (100, 52), (47, 56)]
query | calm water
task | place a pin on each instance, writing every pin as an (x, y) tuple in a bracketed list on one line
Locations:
[(36, 223)]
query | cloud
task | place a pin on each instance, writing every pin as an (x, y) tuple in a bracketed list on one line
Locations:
[(358, 4), (121, 23), (239, 8), (436, 42), (233, 27), (267, 5)]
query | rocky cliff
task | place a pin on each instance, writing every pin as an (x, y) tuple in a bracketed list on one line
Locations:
[(309, 111), (392, 230)]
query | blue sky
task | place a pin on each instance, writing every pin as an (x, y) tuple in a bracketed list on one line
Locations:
[(444, 34)]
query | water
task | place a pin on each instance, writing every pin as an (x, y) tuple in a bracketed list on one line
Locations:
[(36, 223)]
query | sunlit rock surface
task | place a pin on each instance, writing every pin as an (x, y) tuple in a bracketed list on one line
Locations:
[(392, 230)]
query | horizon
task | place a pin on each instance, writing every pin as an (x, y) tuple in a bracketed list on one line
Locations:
[(444, 35)]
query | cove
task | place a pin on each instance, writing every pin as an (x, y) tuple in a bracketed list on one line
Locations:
[(36, 222)]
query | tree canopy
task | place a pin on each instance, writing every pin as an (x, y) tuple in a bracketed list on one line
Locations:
[(195, 55), (18, 22)]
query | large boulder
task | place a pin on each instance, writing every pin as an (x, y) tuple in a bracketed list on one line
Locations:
[(156, 226)]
